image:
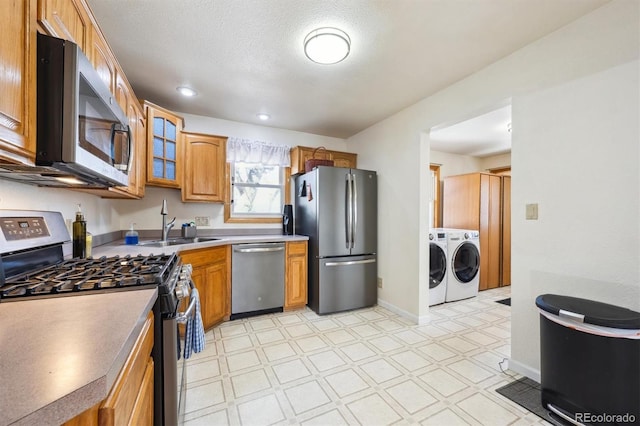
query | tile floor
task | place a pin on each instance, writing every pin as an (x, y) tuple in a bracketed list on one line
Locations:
[(366, 367)]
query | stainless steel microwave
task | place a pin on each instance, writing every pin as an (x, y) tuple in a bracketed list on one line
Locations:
[(81, 129)]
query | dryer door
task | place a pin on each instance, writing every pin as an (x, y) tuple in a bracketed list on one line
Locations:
[(465, 263), (437, 265)]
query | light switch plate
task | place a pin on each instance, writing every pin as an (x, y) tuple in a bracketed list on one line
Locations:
[(532, 211)]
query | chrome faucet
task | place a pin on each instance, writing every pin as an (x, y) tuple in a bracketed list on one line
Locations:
[(166, 227)]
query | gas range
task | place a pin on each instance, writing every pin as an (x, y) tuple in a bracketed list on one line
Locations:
[(33, 265), (90, 275)]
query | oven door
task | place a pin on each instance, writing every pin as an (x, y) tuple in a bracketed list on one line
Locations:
[(187, 312)]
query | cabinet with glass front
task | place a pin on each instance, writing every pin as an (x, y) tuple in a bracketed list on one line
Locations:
[(164, 146)]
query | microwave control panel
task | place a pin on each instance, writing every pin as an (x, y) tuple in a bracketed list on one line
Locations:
[(23, 228)]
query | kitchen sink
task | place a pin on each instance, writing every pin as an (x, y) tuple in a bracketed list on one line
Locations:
[(176, 241)]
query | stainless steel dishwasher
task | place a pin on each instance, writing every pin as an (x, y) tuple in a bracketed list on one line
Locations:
[(257, 278)]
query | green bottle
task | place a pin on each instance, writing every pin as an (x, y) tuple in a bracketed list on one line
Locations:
[(79, 235)]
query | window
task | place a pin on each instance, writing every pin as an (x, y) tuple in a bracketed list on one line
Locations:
[(257, 190), (257, 180)]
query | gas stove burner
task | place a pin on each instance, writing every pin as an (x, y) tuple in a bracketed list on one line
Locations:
[(84, 276)]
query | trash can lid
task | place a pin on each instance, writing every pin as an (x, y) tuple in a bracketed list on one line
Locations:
[(596, 313)]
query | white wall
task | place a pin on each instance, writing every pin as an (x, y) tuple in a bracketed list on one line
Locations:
[(599, 41), (100, 215), (580, 141)]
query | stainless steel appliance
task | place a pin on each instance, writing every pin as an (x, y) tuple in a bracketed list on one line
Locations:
[(83, 137), (337, 208), (33, 265), (257, 279)]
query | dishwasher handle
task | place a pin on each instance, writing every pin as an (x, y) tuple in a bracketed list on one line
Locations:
[(258, 249)]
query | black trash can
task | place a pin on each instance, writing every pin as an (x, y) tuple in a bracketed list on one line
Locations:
[(589, 360)]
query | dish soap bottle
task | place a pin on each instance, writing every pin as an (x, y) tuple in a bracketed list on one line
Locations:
[(131, 237), (79, 235)]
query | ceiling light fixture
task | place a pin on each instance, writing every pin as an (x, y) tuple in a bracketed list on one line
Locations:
[(327, 45), (186, 91), (262, 116)]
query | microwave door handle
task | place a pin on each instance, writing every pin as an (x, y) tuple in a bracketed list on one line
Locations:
[(113, 144), (131, 153)]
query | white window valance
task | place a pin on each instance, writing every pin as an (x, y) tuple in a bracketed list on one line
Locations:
[(248, 151)]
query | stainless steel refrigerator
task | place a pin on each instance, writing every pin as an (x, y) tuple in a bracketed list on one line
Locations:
[(337, 209)]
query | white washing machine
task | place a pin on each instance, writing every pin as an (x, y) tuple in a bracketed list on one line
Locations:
[(437, 266), (463, 277)]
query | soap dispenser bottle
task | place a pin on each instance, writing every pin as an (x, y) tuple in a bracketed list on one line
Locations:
[(131, 237), (79, 235)]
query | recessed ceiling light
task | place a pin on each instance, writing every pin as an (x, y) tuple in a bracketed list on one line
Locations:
[(264, 117), (327, 45), (186, 91)]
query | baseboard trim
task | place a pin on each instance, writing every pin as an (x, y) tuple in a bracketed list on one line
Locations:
[(525, 370), (420, 320)]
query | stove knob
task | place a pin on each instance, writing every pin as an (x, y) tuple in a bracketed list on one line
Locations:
[(182, 289), (187, 268)]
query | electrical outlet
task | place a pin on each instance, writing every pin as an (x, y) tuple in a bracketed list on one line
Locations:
[(69, 224), (379, 282), (202, 220), (531, 212)]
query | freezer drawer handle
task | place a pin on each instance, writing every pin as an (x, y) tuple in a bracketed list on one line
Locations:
[(258, 249), (351, 262)]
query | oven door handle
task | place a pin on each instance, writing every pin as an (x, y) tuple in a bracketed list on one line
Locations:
[(183, 317)]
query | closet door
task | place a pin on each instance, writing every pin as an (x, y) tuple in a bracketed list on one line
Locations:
[(506, 231)]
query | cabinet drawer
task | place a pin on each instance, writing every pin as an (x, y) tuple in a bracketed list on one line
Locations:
[(205, 256), (296, 248), (119, 405)]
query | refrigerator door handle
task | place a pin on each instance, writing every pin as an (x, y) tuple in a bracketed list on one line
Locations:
[(347, 211), (351, 262), (354, 210)]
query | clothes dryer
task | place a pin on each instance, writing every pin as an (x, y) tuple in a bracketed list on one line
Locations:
[(437, 266), (463, 278)]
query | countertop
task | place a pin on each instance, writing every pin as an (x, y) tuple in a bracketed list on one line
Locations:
[(61, 356), (120, 249)]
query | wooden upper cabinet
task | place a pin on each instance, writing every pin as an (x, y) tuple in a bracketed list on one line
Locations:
[(344, 159), (300, 154), (164, 149), (204, 167), (18, 82), (66, 19), (104, 62)]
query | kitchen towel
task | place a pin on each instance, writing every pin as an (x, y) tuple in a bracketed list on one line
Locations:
[(194, 335)]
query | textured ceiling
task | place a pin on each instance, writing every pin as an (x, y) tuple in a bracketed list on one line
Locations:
[(245, 56)]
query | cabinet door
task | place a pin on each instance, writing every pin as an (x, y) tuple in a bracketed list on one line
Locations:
[(300, 154), (490, 230), (204, 168), (142, 414), (506, 231), (66, 19), (104, 63), (18, 82), (217, 295), (295, 294), (163, 147), (344, 159)]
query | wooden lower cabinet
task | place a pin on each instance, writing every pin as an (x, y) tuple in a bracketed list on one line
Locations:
[(130, 401), (212, 277), (295, 287)]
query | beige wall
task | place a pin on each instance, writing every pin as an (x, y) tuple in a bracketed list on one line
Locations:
[(599, 41)]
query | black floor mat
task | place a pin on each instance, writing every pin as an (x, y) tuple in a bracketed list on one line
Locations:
[(526, 393), (506, 301)]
